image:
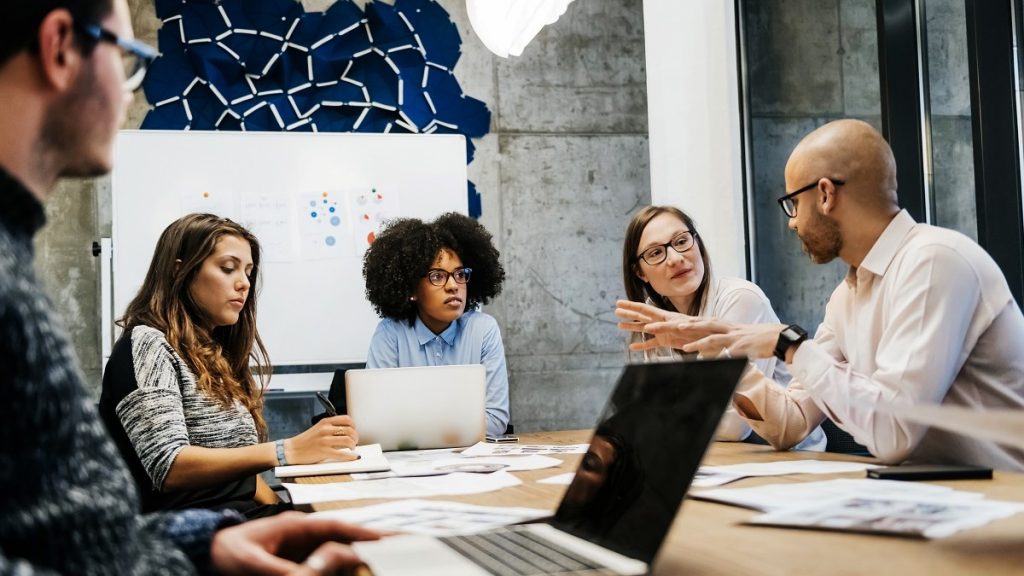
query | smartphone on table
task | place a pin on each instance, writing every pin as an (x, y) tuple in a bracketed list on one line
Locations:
[(931, 472)]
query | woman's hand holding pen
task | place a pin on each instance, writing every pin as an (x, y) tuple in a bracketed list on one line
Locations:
[(328, 439)]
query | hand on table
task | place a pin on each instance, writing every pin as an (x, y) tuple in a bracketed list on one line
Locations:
[(291, 543)]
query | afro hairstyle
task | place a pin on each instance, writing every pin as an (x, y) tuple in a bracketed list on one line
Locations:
[(407, 247)]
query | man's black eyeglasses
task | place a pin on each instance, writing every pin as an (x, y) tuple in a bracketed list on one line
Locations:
[(136, 56), (439, 277), (657, 254), (787, 203)]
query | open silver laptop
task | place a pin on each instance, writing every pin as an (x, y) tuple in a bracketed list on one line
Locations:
[(626, 493), (417, 408)]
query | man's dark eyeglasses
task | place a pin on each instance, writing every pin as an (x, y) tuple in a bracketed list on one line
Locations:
[(787, 203), (136, 56), (439, 277), (657, 254)]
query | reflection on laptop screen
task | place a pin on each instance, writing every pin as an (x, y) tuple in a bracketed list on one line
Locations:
[(645, 450)]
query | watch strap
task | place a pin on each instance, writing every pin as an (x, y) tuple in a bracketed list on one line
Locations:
[(789, 336), (279, 446)]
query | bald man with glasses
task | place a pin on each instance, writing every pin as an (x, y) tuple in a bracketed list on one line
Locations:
[(924, 316)]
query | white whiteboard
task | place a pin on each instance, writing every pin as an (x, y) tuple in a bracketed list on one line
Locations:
[(312, 307)]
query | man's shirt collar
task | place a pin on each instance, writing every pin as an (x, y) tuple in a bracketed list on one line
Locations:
[(885, 248)]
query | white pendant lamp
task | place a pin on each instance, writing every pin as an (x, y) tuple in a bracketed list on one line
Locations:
[(507, 26)]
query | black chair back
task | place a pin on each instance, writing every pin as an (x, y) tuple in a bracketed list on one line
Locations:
[(838, 440)]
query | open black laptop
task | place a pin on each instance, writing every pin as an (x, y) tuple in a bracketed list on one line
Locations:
[(626, 493)]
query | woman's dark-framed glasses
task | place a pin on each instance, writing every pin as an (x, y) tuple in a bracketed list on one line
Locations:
[(136, 56), (787, 203), (657, 254), (439, 277)]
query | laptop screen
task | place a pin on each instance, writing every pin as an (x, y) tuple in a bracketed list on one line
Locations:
[(645, 450)]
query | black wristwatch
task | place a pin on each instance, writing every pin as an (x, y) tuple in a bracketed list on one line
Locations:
[(791, 335)]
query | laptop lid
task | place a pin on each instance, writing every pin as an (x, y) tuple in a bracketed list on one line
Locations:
[(418, 407), (647, 446)]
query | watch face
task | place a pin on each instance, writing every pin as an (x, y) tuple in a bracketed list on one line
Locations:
[(792, 334)]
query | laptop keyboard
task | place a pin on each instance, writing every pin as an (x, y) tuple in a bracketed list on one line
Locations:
[(515, 551)]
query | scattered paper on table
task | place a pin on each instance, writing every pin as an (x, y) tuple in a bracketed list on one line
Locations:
[(863, 505), (560, 479), (451, 465), (718, 475), (920, 517), (419, 456), (370, 459), (487, 449), (435, 517), (705, 478), (772, 497), (412, 487)]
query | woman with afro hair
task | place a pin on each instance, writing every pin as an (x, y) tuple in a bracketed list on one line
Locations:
[(426, 281)]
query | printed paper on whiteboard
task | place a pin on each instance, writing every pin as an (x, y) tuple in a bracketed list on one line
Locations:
[(269, 217), (370, 209), (321, 222)]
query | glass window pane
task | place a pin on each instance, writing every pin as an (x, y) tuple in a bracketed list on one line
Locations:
[(808, 62), (952, 151)]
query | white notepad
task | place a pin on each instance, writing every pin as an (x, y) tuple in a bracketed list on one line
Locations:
[(371, 459)]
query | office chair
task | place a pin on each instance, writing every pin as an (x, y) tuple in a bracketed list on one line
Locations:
[(337, 392), (838, 440)]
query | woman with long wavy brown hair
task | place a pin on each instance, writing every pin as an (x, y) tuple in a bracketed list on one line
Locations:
[(179, 392)]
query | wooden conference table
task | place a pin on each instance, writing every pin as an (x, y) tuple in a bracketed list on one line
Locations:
[(709, 538)]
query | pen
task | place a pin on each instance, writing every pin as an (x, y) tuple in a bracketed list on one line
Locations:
[(331, 411)]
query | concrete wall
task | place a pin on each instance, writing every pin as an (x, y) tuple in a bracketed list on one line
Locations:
[(565, 165), (950, 100)]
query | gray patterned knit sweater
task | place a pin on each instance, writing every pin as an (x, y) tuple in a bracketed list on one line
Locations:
[(154, 408), (67, 502)]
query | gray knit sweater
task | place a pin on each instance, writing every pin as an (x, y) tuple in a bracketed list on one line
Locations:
[(67, 502), (154, 408)]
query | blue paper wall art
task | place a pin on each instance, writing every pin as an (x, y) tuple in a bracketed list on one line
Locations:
[(269, 65)]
